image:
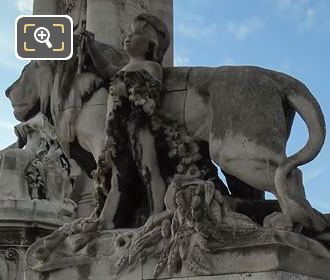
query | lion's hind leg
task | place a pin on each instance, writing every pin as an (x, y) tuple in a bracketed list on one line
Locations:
[(258, 174), (251, 163), (296, 206), (256, 166), (296, 210)]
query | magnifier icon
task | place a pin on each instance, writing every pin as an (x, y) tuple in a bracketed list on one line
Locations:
[(41, 35)]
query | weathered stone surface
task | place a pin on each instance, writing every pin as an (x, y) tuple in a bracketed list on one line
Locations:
[(257, 210), (44, 7), (40, 170), (12, 262), (148, 149), (277, 275), (34, 190), (46, 214), (13, 184), (114, 19), (76, 9), (83, 195), (22, 222), (207, 87), (243, 258), (211, 87)]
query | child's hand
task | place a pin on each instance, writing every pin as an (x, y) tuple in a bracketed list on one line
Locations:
[(90, 39), (89, 35)]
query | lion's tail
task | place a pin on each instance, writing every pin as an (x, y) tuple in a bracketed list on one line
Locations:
[(302, 101)]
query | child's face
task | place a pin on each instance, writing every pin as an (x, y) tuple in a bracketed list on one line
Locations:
[(138, 39)]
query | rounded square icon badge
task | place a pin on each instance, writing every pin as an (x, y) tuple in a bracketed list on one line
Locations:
[(48, 37)]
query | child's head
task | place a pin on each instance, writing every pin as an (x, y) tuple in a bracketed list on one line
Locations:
[(148, 34)]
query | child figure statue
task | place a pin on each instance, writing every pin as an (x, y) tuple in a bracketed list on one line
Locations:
[(132, 101)]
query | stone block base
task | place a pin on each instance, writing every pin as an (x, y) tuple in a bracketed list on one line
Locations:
[(271, 275), (261, 255), (22, 222), (274, 275)]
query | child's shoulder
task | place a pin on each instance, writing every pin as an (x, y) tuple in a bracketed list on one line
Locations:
[(154, 68), (152, 63)]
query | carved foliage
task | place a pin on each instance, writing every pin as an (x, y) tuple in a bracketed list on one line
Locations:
[(48, 157), (183, 236)]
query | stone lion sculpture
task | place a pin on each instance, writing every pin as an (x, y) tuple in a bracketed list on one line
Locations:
[(245, 113), (239, 117)]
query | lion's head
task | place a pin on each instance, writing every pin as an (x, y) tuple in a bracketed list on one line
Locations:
[(30, 92)]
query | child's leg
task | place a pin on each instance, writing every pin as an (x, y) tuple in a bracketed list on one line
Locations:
[(112, 201), (144, 153)]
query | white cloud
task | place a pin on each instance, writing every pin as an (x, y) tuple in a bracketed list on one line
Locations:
[(8, 60), (180, 60), (7, 125), (284, 4), (310, 175), (197, 31), (322, 206), (6, 42), (25, 6), (229, 61), (242, 30), (306, 14), (195, 27), (186, 30), (11, 64), (285, 66)]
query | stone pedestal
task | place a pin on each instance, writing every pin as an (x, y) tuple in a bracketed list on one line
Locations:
[(83, 195), (273, 275), (265, 255), (22, 222), (13, 184)]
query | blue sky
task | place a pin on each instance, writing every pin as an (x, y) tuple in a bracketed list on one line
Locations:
[(292, 36)]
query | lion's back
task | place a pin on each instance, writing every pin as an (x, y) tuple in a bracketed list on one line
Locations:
[(249, 101)]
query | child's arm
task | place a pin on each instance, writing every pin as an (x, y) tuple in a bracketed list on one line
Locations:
[(102, 64)]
